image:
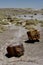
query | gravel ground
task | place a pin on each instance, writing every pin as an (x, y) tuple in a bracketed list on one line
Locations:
[(33, 54)]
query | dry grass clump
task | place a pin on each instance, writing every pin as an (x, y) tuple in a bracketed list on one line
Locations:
[(28, 27), (14, 20), (18, 23), (32, 22), (4, 22), (41, 23), (2, 28), (27, 23)]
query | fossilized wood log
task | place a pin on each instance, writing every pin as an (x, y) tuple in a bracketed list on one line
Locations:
[(17, 50), (33, 35)]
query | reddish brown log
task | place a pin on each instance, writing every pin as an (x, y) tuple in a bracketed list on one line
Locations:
[(33, 35), (17, 50)]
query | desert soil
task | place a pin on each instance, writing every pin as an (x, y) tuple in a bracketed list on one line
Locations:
[(33, 54)]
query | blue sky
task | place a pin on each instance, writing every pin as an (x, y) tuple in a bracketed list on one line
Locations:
[(21, 4)]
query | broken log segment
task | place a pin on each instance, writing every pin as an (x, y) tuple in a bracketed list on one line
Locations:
[(33, 34), (17, 50)]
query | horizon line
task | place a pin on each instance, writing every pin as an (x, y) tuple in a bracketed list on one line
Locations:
[(18, 8)]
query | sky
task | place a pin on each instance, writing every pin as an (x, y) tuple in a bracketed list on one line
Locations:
[(37, 4)]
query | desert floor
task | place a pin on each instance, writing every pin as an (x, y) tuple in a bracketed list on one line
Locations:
[(33, 54)]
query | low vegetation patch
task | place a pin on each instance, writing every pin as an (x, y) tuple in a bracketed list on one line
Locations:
[(29, 23), (4, 23), (41, 23), (2, 28), (32, 22)]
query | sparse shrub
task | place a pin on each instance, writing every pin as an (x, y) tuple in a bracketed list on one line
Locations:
[(32, 22), (2, 28), (41, 25), (18, 23), (35, 13), (4, 22)]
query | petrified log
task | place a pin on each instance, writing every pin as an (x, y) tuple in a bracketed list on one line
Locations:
[(17, 50), (33, 35)]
